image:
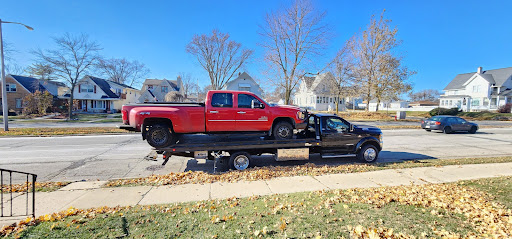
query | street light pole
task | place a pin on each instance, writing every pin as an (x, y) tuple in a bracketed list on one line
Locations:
[(5, 108)]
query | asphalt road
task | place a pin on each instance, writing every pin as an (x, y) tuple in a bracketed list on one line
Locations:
[(103, 157)]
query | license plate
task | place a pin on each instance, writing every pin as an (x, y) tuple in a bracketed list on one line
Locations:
[(427, 126)]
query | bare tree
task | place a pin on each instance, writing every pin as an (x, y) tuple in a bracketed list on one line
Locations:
[(369, 48), (341, 82), (11, 66), (42, 71), (123, 71), (427, 94), (292, 37), (71, 59), (189, 85), (392, 80), (219, 56)]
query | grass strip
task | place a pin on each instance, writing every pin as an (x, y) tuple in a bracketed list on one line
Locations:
[(265, 173), (453, 210), (62, 131)]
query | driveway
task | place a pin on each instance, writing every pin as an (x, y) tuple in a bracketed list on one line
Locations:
[(103, 157)]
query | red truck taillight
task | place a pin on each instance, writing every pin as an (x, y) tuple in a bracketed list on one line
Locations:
[(125, 117)]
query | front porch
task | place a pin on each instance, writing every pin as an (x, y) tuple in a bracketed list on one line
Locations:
[(95, 106)]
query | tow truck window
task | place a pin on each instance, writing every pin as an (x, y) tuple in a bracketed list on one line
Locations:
[(335, 124), (222, 100), (245, 101)]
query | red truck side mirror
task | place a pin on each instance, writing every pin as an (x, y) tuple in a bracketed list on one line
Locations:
[(257, 105)]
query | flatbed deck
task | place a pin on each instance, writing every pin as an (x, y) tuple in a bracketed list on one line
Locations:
[(189, 143)]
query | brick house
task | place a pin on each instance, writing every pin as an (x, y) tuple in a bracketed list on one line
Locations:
[(20, 86)]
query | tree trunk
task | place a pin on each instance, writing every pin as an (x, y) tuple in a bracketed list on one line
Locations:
[(287, 95), (70, 109), (377, 107)]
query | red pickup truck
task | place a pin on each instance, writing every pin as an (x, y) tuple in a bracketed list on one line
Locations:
[(223, 112)]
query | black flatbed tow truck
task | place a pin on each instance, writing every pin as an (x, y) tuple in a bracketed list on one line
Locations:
[(328, 135)]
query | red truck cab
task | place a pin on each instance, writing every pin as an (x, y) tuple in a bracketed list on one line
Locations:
[(223, 112)]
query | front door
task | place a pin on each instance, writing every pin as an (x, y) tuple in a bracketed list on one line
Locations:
[(336, 135), (249, 115), (220, 114)]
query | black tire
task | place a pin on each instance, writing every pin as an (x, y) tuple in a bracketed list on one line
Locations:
[(160, 136), (239, 160), (447, 130), (473, 130), (368, 153), (282, 130)]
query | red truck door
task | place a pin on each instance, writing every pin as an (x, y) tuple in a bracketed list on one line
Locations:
[(220, 113), (251, 116)]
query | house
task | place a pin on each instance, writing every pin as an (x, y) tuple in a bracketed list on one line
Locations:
[(20, 86), (388, 105), (480, 90), (314, 93), (154, 90), (244, 82), (99, 95)]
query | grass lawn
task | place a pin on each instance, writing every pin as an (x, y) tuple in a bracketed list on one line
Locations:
[(61, 131), (454, 210)]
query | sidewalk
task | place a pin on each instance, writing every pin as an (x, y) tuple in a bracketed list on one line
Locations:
[(90, 194)]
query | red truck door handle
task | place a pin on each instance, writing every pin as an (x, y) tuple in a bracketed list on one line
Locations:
[(214, 111), (241, 112)]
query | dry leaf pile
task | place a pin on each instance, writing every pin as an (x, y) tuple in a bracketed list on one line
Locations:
[(251, 174), (489, 218), (22, 187)]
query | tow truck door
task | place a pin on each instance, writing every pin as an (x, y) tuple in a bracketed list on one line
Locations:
[(336, 135)]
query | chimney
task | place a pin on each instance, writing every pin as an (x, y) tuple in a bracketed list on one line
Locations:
[(479, 71), (239, 73)]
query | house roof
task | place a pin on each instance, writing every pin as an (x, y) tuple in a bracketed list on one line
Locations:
[(423, 102), (120, 84), (104, 86), (507, 92), (157, 82), (31, 84), (496, 76)]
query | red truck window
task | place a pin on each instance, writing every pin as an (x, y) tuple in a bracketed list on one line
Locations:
[(245, 101), (222, 100)]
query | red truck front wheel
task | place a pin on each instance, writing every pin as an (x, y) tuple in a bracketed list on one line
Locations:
[(159, 136)]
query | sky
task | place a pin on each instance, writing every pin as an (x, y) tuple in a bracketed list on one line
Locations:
[(440, 39)]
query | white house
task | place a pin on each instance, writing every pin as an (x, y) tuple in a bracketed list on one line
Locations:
[(244, 82), (388, 105), (314, 93), (99, 95), (480, 90), (154, 90)]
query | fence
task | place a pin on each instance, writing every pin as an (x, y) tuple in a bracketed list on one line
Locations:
[(21, 190)]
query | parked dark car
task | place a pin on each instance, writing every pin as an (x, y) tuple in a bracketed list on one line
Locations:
[(448, 124)]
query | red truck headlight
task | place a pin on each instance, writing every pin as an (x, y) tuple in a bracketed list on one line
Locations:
[(301, 115)]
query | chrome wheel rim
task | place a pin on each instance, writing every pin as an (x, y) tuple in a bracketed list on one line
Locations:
[(283, 132), (241, 162), (370, 154)]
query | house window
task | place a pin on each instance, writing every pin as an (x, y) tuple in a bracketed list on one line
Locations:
[(99, 104), (451, 103), (86, 88), (475, 102), (10, 88), (19, 103), (330, 99), (318, 100), (150, 87), (165, 89), (476, 89)]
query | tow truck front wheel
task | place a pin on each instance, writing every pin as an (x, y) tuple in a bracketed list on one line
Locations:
[(159, 136), (239, 160), (368, 153)]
